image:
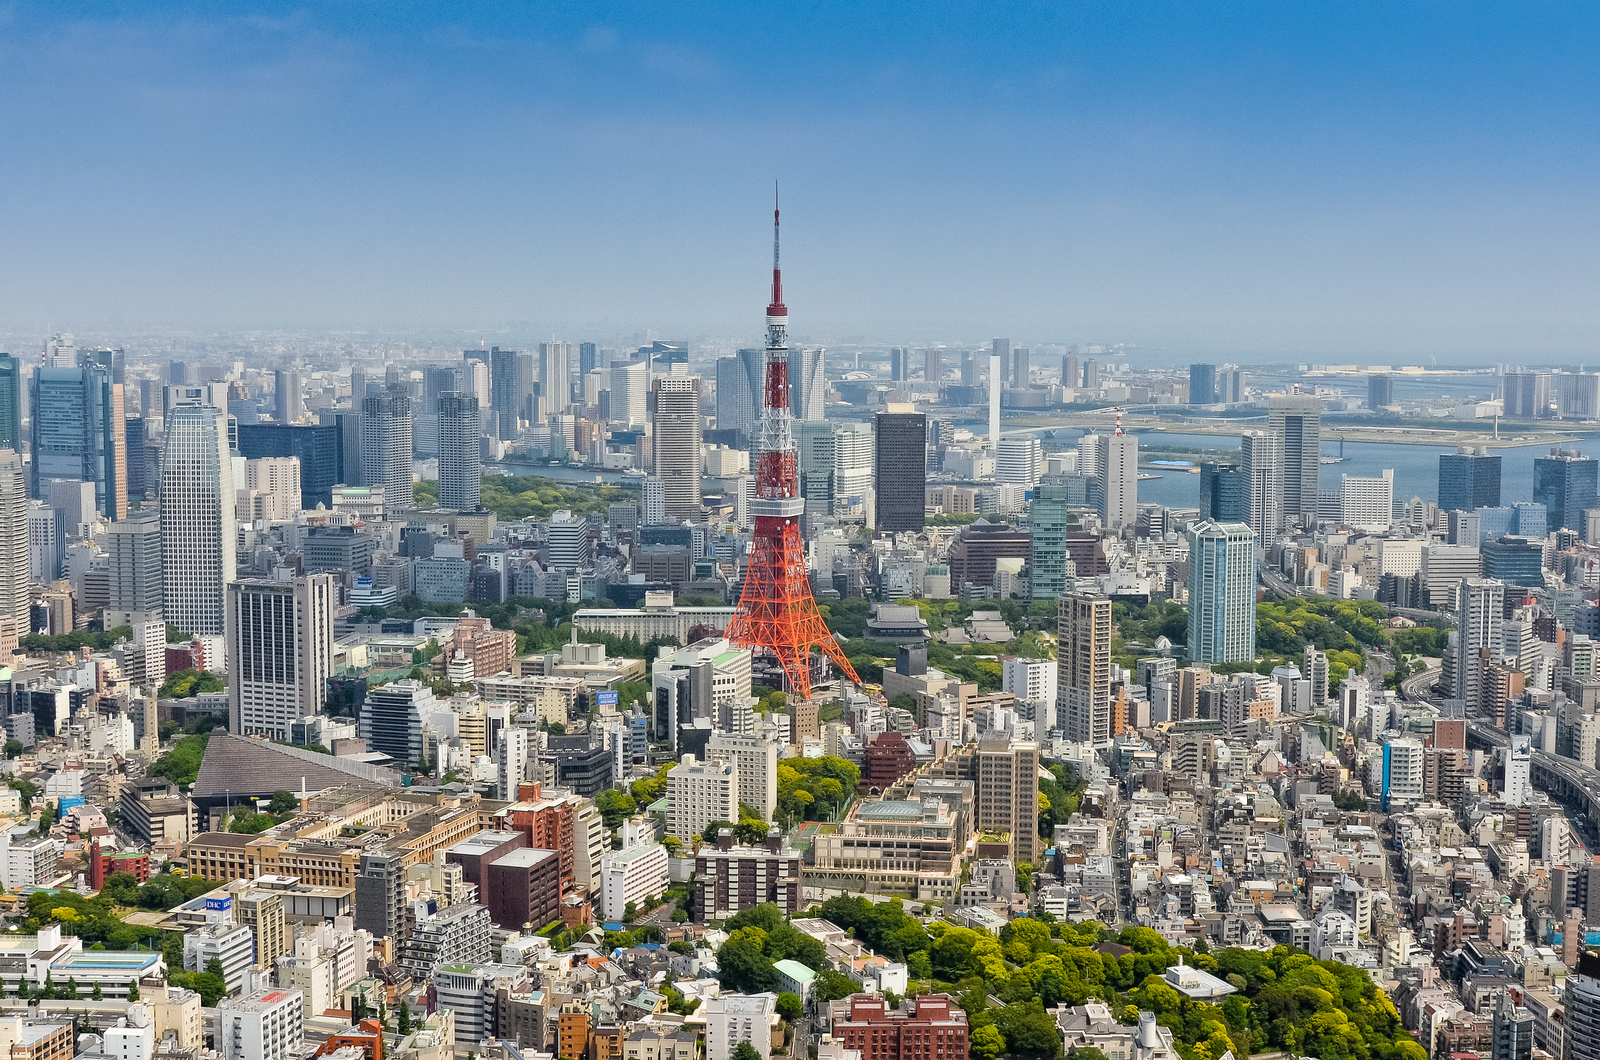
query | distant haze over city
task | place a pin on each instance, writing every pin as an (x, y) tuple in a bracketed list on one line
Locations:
[(1254, 184)]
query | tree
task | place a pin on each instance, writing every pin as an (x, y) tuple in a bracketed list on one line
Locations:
[(214, 967), (133, 990), (283, 802), (1029, 1030), (121, 887), (405, 1017), (986, 1043), (97, 994), (629, 913), (742, 966), (614, 806), (745, 1051), (789, 1006)]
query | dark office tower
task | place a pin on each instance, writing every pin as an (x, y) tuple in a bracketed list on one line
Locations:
[(380, 897), (1380, 392), (320, 448), (1513, 1030), (1564, 482), (588, 359), (933, 364), (1224, 493), (969, 368), (897, 364), (1202, 384), (900, 465), (438, 380), (1297, 419), (1071, 374), (1468, 479), (1020, 368), (1001, 348), (144, 459), (460, 457), (1526, 395), (736, 409), (509, 388), (178, 373), (386, 448), (77, 425), (10, 403)]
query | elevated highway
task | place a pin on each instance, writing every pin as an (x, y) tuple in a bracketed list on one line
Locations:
[(1565, 780)]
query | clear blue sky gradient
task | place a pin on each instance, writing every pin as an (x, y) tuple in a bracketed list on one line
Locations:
[(1253, 180)]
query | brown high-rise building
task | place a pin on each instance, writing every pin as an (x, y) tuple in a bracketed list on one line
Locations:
[(1006, 772), (937, 1030), (885, 760), (1083, 667)]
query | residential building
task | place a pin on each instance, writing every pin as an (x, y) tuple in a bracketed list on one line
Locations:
[(1222, 592), (1117, 479), (386, 448), (676, 444), (456, 935), (935, 1030), (734, 1018), (1367, 503), (754, 757), (1297, 419), (1083, 675), (460, 453), (632, 874), (1006, 782), (700, 793), (267, 1025), (730, 878), (15, 596)]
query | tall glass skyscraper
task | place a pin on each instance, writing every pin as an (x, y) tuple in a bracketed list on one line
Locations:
[(1564, 482), (10, 403), (76, 417), (460, 455), (1469, 479)]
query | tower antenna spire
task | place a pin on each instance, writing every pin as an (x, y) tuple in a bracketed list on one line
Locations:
[(776, 309)]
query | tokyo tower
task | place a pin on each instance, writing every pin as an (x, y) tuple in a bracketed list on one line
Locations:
[(777, 613)]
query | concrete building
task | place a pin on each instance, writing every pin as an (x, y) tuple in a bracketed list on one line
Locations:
[(460, 453), (1007, 785), (279, 651), (1297, 419), (730, 878), (1222, 593), (700, 793), (1367, 503), (1083, 676), (631, 875), (198, 533), (900, 468), (267, 1025), (676, 445), (734, 1018), (1117, 475)]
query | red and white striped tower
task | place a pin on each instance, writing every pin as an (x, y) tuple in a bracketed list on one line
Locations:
[(777, 613)]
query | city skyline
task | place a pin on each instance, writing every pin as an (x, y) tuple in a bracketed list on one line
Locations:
[(1249, 185)]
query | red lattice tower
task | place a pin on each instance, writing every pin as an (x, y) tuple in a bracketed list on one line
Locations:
[(777, 613)]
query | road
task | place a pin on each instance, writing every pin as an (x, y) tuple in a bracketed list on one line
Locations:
[(1419, 686)]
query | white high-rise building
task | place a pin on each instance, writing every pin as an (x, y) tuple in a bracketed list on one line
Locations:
[(755, 764), (15, 598), (1354, 694), (46, 541), (1222, 593), (555, 376), (1403, 767), (1020, 461), (734, 1018), (267, 1025), (133, 1037), (1263, 476), (629, 385), (699, 793), (1297, 419), (460, 453), (1117, 473), (808, 387), (1479, 617), (852, 461), (386, 448), (199, 534), (1032, 681), (655, 500), (1518, 776), (515, 741), (1367, 503), (568, 545), (676, 444), (279, 651), (994, 400)]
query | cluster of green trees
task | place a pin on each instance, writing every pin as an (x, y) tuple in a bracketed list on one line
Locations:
[(813, 788), (181, 765), (758, 938), (181, 684), (78, 638), (161, 891), (513, 498), (92, 920), (1058, 797)]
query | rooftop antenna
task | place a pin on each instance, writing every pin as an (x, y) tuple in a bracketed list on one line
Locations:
[(1118, 432)]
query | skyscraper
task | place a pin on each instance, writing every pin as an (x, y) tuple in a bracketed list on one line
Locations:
[(628, 393), (1047, 549), (969, 368), (1071, 374), (1581, 999), (1117, 473), (10, 403), (510, 385), (1469, 479), (555, 376), (1006, 779), (808, 386), (1564, 482), (198, 531), (1526, 394), (133, 557), (386, 448), (1263, 472), (1224, 493), (676, 444), (1297, 419), (932, 364), (994, 401), (460, 453), (320, 448), (76, 418), (15, 598), (736, 401), (1380, 392), (1083, 667), (899, 370), (900, 475), (287, 395), (588, 358), (1202, 384), (280, 652), (854, 452), (1019, 461), (1001, 348), (1479, 621), (1222, 593)]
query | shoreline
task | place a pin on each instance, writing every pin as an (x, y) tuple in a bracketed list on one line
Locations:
[(1147, 426)]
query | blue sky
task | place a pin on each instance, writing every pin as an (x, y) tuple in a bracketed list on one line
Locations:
[(1253, 180)]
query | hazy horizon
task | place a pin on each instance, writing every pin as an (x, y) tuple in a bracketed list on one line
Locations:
[(1258, 183)]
